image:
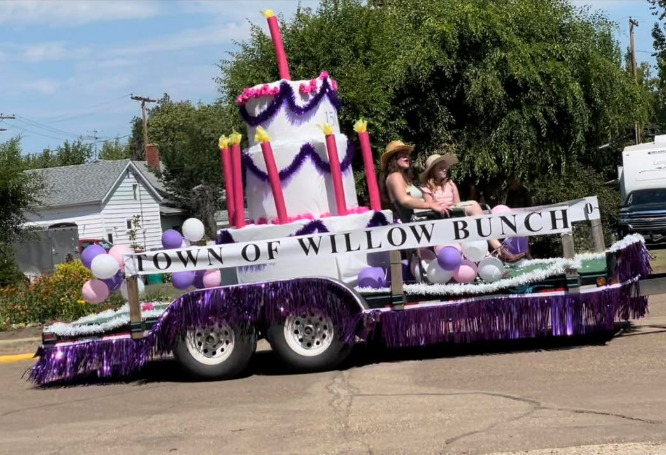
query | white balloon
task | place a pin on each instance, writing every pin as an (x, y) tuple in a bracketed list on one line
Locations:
[(104, 266), (491, 269), (193, 229), (123, 289), (475, 251), (436, 274)]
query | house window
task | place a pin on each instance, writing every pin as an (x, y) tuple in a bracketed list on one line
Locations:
[(129, 224), (109, 235), (135, 189)]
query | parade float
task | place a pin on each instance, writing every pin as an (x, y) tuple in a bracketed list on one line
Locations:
[(315, 273)]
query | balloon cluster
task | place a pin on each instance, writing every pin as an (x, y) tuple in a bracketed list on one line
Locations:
[(108, 271), (193, 231), (460, 263)]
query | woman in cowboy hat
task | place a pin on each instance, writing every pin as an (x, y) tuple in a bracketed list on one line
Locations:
[(398, 188), (437, 187)]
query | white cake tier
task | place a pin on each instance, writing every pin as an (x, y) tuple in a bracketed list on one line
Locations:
[(309, 189), (287, 125), (343, 267)]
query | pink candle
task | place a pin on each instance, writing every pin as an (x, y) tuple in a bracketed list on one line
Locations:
[(276, 35), (228, 177), (239, 203), (273, 176), (336, 172), (361, 127)]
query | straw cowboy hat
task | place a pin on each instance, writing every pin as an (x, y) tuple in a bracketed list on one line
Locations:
[(434, 160), (392, 148)]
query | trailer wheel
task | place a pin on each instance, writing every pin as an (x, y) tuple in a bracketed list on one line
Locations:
[(308, 341), (219, 351)]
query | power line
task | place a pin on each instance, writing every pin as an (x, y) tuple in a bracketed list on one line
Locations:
[(85, 111), (35, 124), (35, 132)]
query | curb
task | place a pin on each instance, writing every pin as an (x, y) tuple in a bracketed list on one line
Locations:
[(16, 358)]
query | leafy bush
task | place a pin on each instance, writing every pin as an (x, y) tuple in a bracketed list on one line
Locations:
[(50, 297)]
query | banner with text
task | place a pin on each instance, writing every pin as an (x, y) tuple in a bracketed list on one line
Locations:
[(543, 221)]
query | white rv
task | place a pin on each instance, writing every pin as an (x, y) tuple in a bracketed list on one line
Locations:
[(643, 189), (643, 167)]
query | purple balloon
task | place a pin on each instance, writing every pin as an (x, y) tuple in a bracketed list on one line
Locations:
[(517, 245), (406, 272), (171, 239), (182, 280), (371, 277), (90, 253), (198, 279), (114, 282), (449, 258)]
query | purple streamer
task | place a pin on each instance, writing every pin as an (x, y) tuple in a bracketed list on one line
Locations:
[(307, 152), (224, 238), (312, 227), (238, 305), (511, 318), (378, 219), (287, 94), (253, 307)]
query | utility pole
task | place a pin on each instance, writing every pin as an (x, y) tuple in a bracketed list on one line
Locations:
[(632, 24), (144, 100), (95, 139), (5, 117)]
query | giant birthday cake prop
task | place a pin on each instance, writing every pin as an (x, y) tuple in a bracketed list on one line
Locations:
[(297, 167)]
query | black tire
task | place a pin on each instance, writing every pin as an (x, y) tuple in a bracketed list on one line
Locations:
[(230, 367), (336, 352)]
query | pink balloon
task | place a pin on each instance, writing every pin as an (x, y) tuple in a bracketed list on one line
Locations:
[(212, 278), (117, 253), (500, 209), (95, 291), (439, 248), (427, 254), (466, 273)]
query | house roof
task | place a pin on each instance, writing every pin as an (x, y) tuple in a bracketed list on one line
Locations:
[(84, 183), (151, 176)]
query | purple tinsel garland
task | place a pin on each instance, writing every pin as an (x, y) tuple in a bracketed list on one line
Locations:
[(378, 219), (287, 94), (505, 318), (245, 306), (259, 305), (307, 151)]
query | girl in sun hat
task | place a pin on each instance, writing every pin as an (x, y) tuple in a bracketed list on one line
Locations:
[(398, 189), (437, 187)]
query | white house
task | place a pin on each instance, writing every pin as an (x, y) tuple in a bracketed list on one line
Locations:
[(102, 198)]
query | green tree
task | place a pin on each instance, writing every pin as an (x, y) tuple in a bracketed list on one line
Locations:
[(187, 135), (518, 87), (114, 150), (19, 193), (67, 154), (75, 152)]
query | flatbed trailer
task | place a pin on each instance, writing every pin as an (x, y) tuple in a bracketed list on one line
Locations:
[(312, 322)]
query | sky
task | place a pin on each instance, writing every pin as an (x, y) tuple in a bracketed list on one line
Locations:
[(67, 68)]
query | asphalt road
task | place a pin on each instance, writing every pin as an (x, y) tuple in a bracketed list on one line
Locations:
[(589, 396)]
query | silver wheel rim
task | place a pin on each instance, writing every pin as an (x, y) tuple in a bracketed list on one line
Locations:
[(211, 345), (309, 334)]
